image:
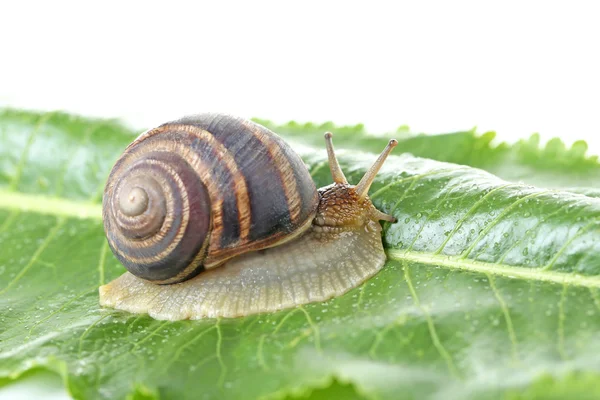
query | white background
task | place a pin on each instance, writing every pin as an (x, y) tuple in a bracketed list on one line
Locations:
[(514, 67)]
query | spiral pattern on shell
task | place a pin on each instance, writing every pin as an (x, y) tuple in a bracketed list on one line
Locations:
[(192, 193)]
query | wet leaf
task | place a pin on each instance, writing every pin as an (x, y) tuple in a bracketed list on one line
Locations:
[(492, 287)]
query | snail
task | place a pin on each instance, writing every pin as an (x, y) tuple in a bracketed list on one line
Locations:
[(216, 216)]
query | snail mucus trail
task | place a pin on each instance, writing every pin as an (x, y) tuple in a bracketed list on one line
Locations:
[(216, 216)]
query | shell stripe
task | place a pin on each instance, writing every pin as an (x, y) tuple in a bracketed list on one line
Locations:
[(155, 240), (194, 267), (240, 188), (284, 167), (250, 184), (239, 183), (197, 164)]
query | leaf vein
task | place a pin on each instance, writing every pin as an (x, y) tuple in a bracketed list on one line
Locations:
[(567, 244), (499, 217), (409, 178), (473, 208), (60, 183), (180, 350), (531, 231), (223, 373), (9, 220), (61, 308), (432, 331), (102, 261), (431, 214), (14, 183), (260, 353), (86, 332), (507, 318), (314, 328), (59, 223)]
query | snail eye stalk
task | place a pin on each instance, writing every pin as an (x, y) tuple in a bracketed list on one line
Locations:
[(367, 180), (334, 166)]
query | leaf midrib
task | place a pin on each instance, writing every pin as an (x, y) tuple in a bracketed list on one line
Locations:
[(47, 205), (60, 207), (507, 271)]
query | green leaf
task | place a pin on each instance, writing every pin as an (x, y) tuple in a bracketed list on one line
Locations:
[(552, 165), (492, 287)]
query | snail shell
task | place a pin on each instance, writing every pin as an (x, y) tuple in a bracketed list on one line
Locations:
[(208, 191), (189, 194)]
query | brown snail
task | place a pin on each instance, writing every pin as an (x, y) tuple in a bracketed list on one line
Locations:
[(216, 216)]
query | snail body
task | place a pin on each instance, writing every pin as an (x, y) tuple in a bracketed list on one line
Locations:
[(216, 216)]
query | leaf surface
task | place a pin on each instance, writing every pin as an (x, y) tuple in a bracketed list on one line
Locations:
[(550, 165), (492, 287)]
